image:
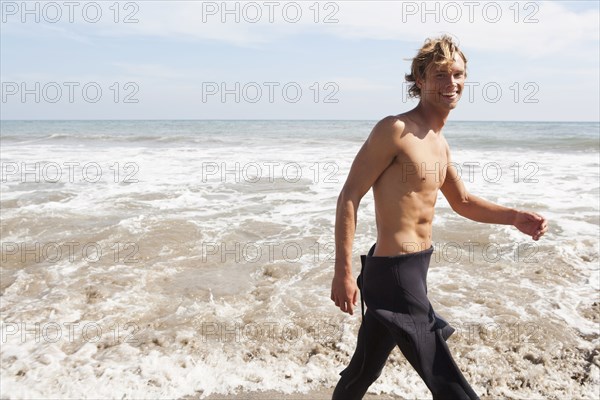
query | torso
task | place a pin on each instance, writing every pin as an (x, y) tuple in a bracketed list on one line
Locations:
[(406, 192)]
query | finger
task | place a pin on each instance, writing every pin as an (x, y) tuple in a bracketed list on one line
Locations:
[(537, 217), (350, 309)]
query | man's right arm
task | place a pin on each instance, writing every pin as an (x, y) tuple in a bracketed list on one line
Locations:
[(376, 154)]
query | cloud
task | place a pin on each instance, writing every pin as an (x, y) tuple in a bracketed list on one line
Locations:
[(531, 29), (559, 52)]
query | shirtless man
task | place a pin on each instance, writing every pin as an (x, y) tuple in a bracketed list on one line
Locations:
[(406, 160)]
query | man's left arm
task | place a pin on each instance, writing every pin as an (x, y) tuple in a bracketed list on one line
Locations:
[(480, 210)]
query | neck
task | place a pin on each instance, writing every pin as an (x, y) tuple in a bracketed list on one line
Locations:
[(433, 117)]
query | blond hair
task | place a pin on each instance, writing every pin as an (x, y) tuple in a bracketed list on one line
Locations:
[(437, 51)]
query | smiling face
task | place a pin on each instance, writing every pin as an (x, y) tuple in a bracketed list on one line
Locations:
[(442, 86), (440, 69)]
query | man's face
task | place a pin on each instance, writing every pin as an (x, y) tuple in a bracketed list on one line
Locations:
[(443, 86)]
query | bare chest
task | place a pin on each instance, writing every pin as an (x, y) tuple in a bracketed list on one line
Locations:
[(422, 167)]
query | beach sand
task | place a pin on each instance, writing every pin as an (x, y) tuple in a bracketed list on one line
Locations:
[(323, 394), (272, 395)]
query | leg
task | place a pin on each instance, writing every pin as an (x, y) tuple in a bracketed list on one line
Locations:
[(450, 382), (373, 347), (430, 356), (395, 290)]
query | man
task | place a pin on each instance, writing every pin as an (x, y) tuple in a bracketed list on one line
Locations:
[(406, 160)]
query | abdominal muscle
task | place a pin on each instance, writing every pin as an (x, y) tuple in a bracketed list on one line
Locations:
[(404, 214)]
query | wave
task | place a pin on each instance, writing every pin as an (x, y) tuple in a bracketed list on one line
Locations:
[(554, 137)]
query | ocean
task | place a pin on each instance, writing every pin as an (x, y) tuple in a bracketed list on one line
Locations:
[(165, 259)]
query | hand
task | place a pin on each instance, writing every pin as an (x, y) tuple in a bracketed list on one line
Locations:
[(531, 224), (344, 293)]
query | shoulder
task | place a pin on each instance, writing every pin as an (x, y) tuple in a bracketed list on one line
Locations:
[(389, 129), (392, 123)]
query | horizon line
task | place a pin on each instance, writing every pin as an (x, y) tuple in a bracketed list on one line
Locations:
[(274, 119)]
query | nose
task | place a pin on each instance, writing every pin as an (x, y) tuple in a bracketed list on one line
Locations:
[(449, 81), (452, 81)]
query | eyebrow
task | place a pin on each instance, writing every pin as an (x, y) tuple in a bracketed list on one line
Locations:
[(453, 71)]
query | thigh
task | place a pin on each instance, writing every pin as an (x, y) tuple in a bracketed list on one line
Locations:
[(376, 341)]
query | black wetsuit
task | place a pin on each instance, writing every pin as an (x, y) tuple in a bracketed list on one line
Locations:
[(399, 313)]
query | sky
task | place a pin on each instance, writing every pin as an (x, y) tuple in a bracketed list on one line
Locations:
[(527, 61)]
